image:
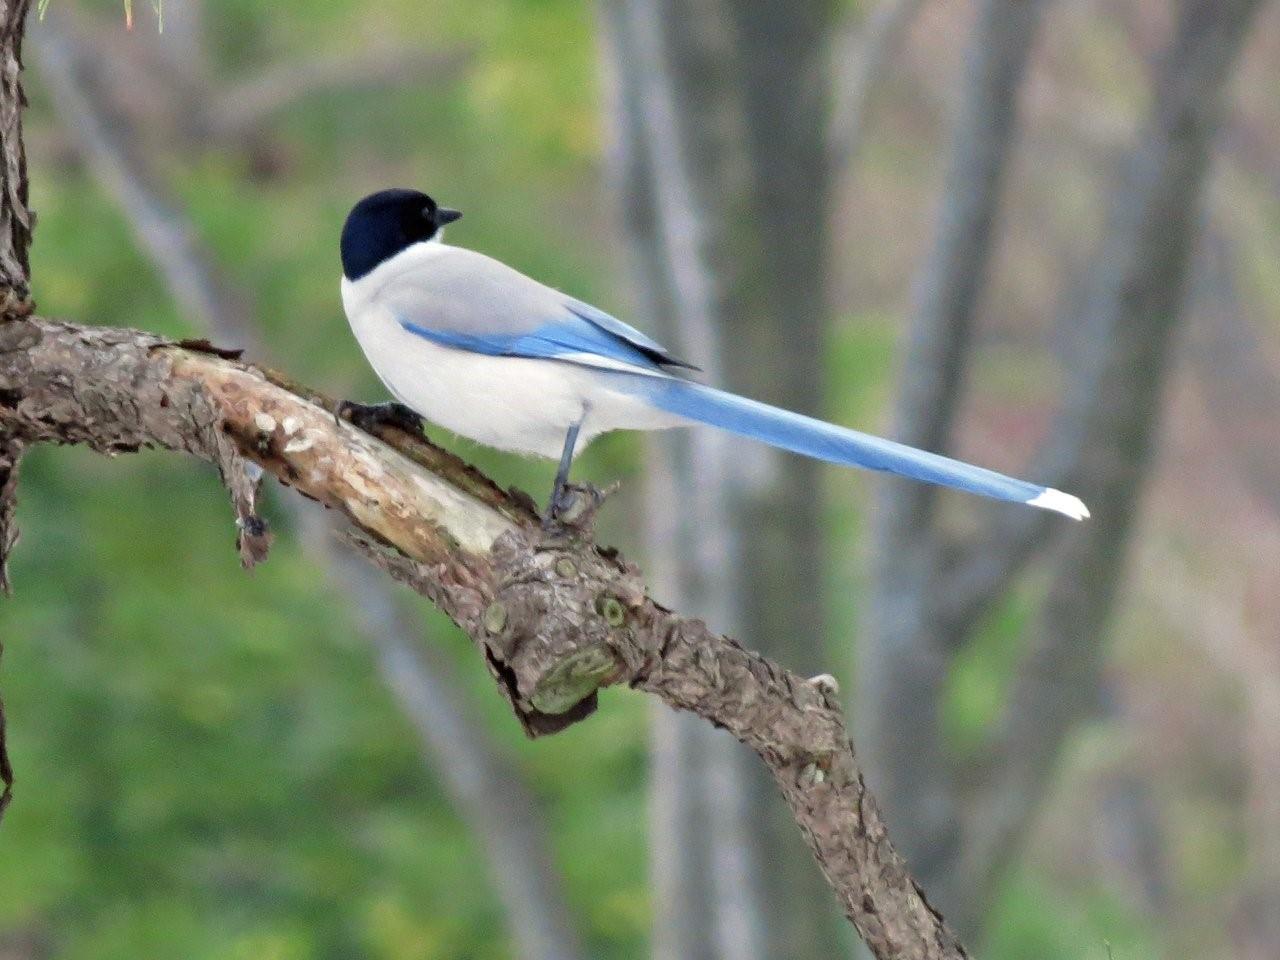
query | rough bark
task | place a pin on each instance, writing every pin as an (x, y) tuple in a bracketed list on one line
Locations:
[(486, 788), (16, 221), (15, 216), (10, 452), (555, 619), (10, 455)]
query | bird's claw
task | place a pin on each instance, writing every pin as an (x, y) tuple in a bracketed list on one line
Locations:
[(366, 416), (573, 507)]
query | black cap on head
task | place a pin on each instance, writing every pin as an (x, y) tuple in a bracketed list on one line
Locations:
[(386, 222)]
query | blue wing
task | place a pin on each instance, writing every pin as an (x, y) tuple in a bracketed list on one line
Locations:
[(611, 325), (580, 334)]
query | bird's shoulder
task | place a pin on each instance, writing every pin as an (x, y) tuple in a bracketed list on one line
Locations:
[(441, 266), (436, 270), (454, 284)]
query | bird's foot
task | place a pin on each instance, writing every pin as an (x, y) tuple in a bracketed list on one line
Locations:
[(573, 507), (366, 416)]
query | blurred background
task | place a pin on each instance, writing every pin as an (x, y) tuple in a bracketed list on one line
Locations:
[(1042, 235)]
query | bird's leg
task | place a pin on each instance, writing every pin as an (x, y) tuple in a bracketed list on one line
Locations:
[(561, 497), (366, 416), (573, 506)]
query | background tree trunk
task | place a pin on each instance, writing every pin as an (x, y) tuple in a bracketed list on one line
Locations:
[(757, 184), (704, 856), (904, 655), (776, 240), (932, 590)]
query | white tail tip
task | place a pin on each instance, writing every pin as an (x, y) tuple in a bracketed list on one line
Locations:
[(1059, 502)]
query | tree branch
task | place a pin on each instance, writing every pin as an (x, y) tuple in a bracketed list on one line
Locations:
[(15, 216), (16, 222), (555, 619), (10, 453)]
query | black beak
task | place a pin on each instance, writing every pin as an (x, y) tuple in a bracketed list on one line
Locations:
[(445, 215)]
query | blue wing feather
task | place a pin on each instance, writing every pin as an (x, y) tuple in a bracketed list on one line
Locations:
[(582, 332), (612, 325)]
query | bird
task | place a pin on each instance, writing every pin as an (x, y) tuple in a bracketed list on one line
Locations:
[(472, 345)]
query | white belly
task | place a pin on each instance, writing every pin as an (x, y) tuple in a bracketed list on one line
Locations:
[(510, 403)]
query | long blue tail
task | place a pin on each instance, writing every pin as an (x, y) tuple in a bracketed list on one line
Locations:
[(825, 441)]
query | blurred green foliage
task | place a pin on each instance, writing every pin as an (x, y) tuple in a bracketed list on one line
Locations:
[(1034, 920), (209, 766)]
